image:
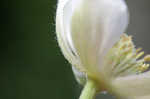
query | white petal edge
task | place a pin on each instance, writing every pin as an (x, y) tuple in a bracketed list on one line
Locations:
[(65, 45), (132, 87)]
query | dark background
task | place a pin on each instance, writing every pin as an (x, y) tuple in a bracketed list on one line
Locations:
[(31, 64)]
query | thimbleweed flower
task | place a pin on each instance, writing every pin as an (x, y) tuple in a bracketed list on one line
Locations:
[(89, 33)]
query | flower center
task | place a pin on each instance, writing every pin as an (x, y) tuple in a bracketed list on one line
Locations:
[(125, 59)]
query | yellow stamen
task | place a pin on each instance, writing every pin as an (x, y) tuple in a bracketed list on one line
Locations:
[(143, 68), (139, 55), (147, 58)]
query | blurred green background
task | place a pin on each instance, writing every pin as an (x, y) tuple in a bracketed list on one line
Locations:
[(32, 66)]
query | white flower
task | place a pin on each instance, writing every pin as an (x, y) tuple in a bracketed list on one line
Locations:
[(88, 32)]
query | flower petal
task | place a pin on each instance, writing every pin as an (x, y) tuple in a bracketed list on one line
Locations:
[(62, 31), (133, 87), (96, 27), (87, 29)]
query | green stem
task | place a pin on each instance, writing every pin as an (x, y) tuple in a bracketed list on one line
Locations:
[(89, 90)]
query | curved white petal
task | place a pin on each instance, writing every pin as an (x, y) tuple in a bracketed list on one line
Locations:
[(96, 26), (87, 29), (62, 32), (133, 87)]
